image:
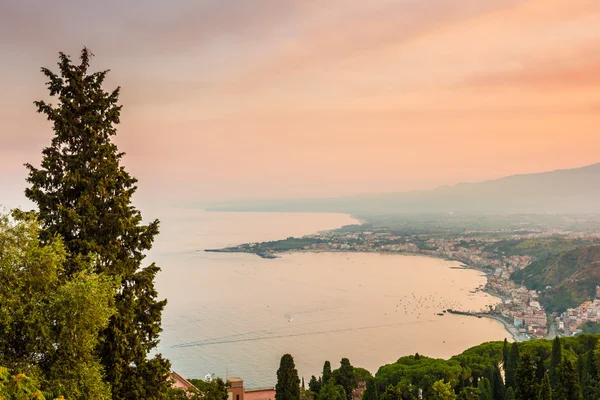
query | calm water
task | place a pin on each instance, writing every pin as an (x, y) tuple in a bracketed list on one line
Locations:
[(236, 314)]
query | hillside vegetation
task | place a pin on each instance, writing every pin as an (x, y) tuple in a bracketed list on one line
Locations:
[(566, 280)]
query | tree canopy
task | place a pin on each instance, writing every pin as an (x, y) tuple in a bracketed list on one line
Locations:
[(84, 194)]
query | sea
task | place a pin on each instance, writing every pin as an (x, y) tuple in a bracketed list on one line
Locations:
[(235, 315)]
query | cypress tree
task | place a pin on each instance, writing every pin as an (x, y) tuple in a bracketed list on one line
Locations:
[(84, 195), (288, 383), (590, 387), (567, 382), (498, 386), (345, 377), (326, 375), (488, 373), (511, 365), (510, 394), (546, 389), (485, 389), (555, 360), (580, 366), (526, 385), (314, 385), (505, 352)]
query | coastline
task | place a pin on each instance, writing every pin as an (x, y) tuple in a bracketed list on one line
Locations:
[(511, 329)]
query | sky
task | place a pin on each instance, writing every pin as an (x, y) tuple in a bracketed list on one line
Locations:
[(235, 99)]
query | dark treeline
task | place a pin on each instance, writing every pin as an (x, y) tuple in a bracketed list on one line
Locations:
[(561, 369)]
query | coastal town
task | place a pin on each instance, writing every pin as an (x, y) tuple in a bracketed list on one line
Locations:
[(520, 309)]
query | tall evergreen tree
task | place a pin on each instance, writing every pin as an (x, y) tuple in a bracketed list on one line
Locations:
[(590, 386), (288, 383), (345, 377), (326, 374), (488, 373), (505, 351), (498, 386), (333, 391), (540, 369), (545, 389), (485, 389), (555, 360), (526, 385), (567, 382), (511, 365), (84, 195), (510, 394), (579, 366), (314, 385)]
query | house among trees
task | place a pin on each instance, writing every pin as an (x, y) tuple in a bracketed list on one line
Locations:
[(236, 391), (179, 382)]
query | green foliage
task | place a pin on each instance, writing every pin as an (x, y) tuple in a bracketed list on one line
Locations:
[(571, 273), (568, 386), (84, 195), (592, 328), (18, 387), (50, 320), (442, 391), (213, 390), (510, 394), (555, 360), (288, 382), (314, 384), (326, 374), (526, 384), (511, 365), (345, 377), (545, 389), (413, 372), (498, 388), (468, 393), (330, 391), (484, 390)]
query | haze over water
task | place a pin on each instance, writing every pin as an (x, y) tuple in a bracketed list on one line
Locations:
[(236, 314)]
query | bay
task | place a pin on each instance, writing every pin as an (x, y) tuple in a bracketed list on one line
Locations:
[(237, 314)]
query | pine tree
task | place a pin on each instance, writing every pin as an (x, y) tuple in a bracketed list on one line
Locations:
[(511, 365), (510, 394), (567, 382), (546, 389), (302, 385), (345, 377), (526, 385), (485, 389), (84, 195), (555, 360), (326, 374), (288, 382)]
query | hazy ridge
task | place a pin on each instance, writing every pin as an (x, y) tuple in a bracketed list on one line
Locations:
[(562, 191)]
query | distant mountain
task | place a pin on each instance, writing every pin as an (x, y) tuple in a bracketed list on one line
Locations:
[(561, 191), (571, 276)]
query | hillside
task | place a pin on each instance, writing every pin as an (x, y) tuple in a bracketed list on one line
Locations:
[(561, 191), (572, 277)]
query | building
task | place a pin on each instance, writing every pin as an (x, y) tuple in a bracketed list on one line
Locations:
[(236, 391), (179, 382)]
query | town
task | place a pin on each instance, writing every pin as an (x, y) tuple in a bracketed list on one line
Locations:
[(520, 309)]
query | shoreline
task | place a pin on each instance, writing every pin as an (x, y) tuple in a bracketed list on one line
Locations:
[(511, 329)]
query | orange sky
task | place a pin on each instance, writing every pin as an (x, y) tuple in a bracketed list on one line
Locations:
[(263, 98)]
